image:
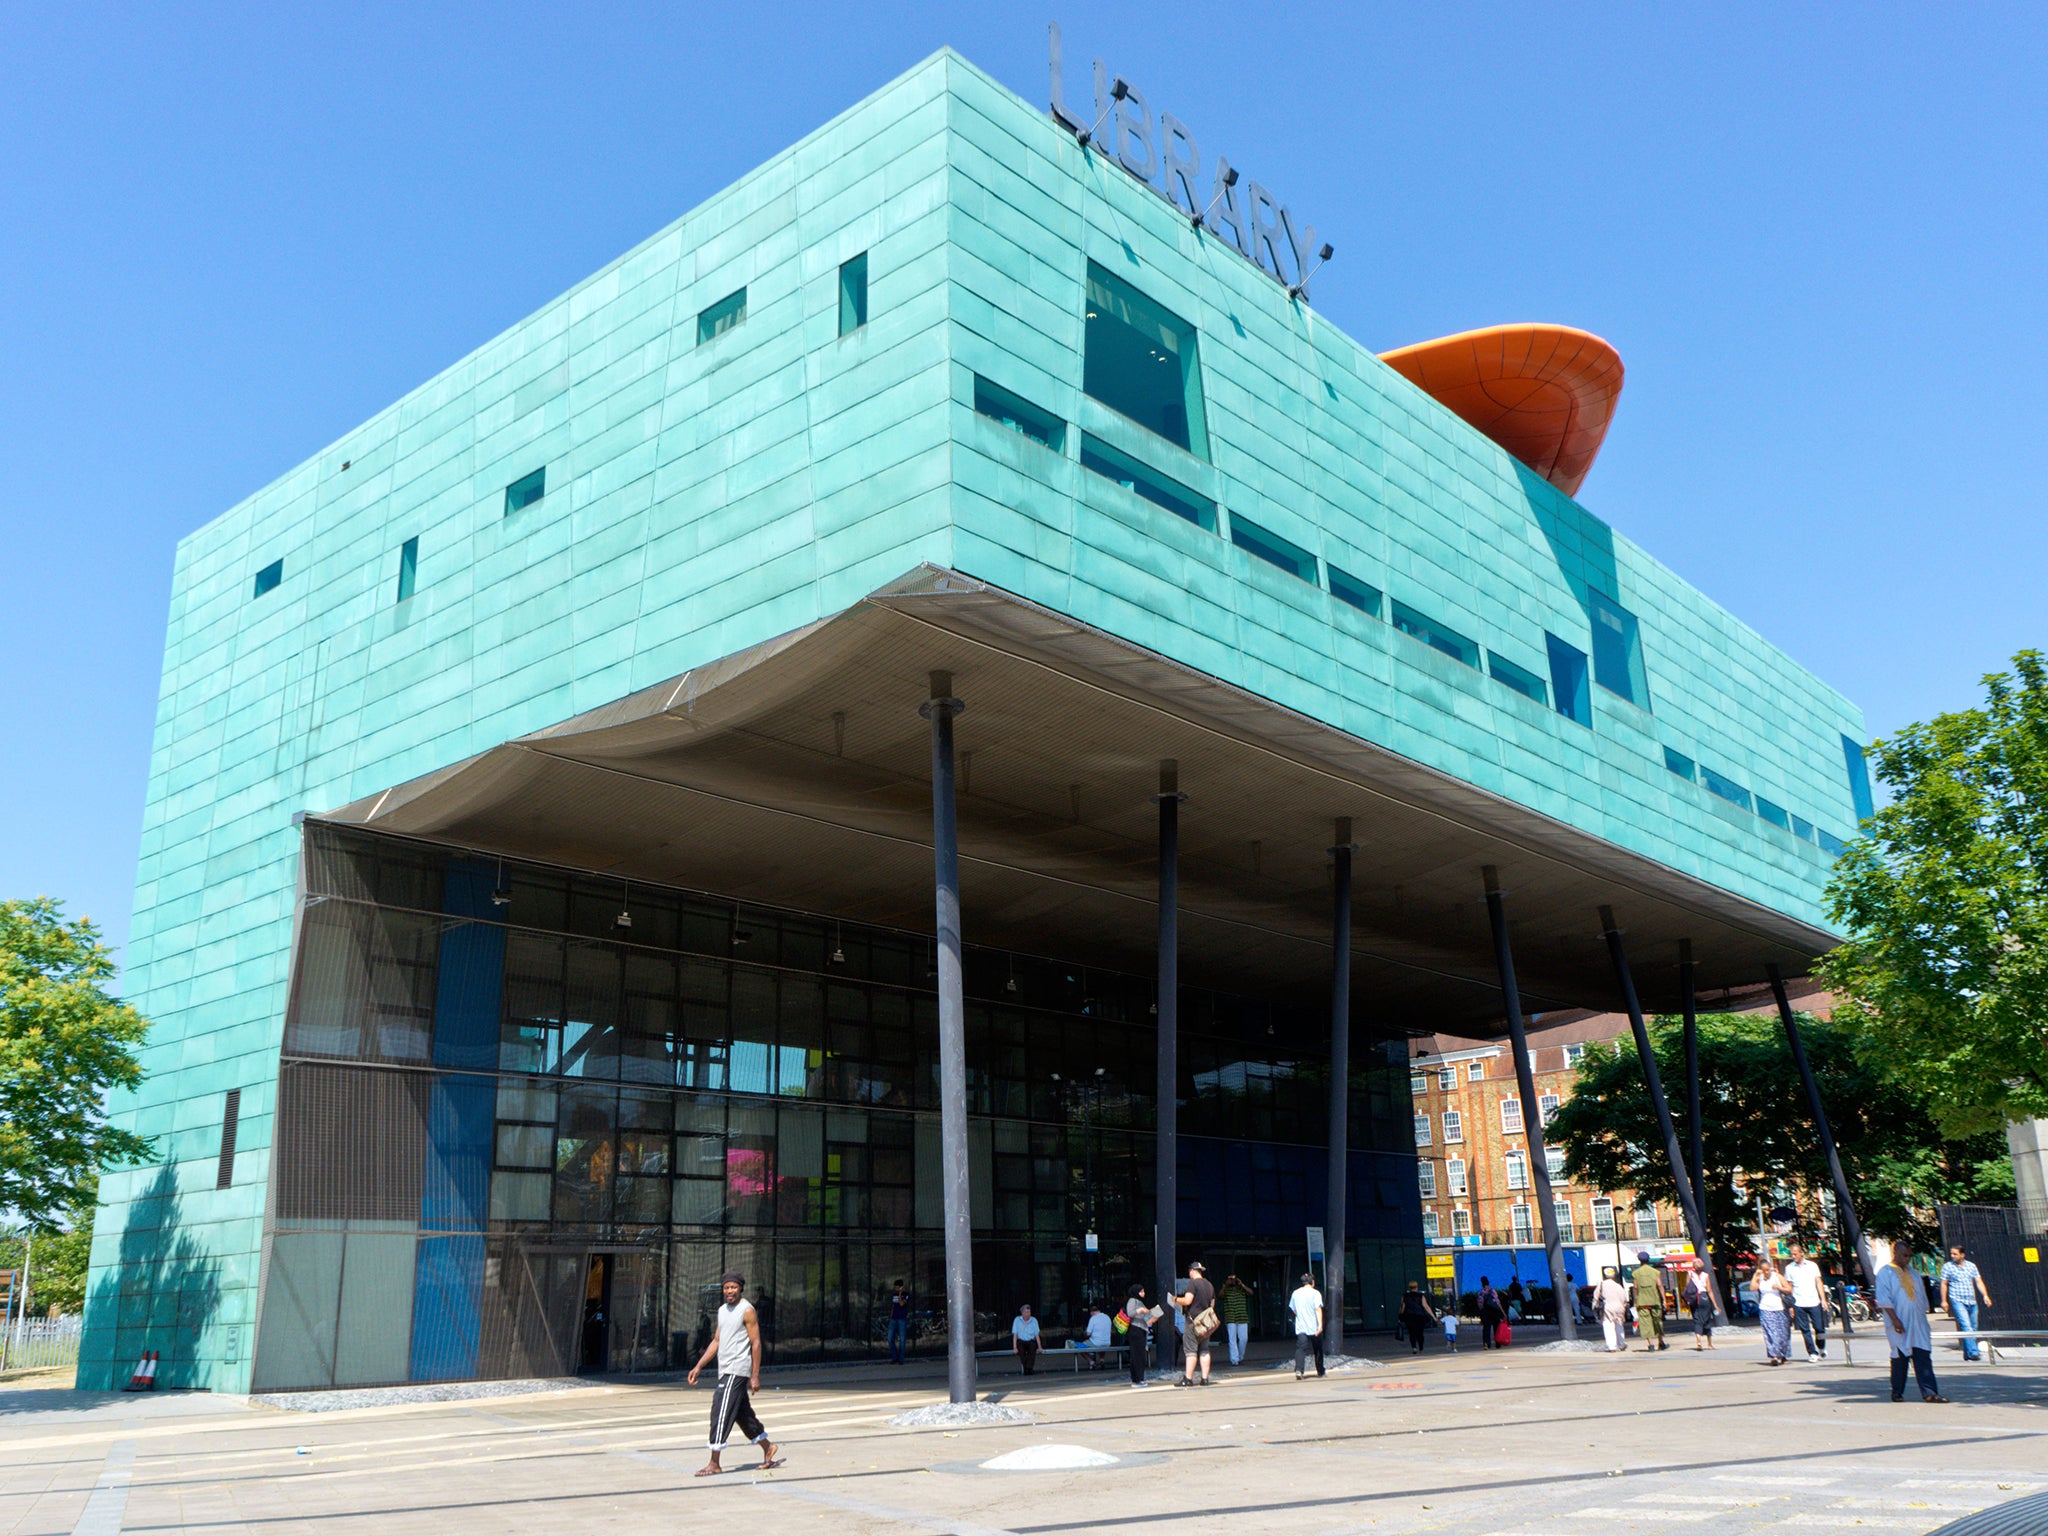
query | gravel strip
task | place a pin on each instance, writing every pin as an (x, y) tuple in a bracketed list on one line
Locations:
[(431, 1392), (1335, 1363), (961, 1415)]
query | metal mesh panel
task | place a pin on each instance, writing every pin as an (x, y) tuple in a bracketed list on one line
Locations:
[(1998, 1240), (351, 1143)]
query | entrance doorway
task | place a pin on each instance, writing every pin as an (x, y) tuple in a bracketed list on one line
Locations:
[(595, 1355)]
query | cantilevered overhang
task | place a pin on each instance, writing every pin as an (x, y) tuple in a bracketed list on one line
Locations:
[(797, 774)]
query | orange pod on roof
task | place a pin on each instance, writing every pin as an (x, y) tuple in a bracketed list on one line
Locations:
[(1546, 393)]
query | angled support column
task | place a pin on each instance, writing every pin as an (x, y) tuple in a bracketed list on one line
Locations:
[(1340, 1090), (1843, 1204), (1654, 1081), (1166, 1218), (952, 1046), (1696, 1131), (1561, 1292)]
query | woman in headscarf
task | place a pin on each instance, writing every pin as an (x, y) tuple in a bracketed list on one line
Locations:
[(1903, 1301), (1492, 1313)]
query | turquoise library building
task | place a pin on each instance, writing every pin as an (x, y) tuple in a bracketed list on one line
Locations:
[(933, 724)]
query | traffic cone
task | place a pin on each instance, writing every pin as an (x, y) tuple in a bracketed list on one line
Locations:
[(144, 1379)]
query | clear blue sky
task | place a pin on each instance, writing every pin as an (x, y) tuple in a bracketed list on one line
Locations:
[(227, 235)]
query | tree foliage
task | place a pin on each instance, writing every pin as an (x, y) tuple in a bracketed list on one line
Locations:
[(63, 1044), (58, 1261), (1945, 901), (1756, 1120)]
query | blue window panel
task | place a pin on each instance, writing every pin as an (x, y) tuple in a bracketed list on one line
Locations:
[(1618, 650), (1019, 415), (1802, 829), (1521, 679), (1435, 635), (717, 319), (853, 293), (1830, 844), (1347, 588), (1726, 788), (408, 567), (1568, 684), (526, 490), (268, 578), (1773, 813), (1139, 360), (1679, 763), (1127, 472), (1859, 779), (1270, 547)]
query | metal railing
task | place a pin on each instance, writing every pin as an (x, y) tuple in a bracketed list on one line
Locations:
[(30, 1344)]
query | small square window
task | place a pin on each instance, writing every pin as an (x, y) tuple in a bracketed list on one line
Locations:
[(268, 578), (1679, 764), (1099, 458), (1435, 635), (853, 294), (1474, 1071), (408, 567), (1447, 1078), (1802, 829), (1773, 813), (1416, 1084), (1019, 415), (1348, 589), (1830, 844), (1725, 787), (717, 319), (1523, 681), (1568, 680), (1271, 548), (526, 490)]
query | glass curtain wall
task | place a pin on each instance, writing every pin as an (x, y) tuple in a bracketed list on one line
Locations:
[(517, 1136)]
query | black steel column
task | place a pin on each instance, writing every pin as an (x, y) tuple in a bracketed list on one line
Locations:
[(1695, 1128), (1562, 1294), (1340, 1091), (1844, 1206), (1167, 1179), (952, 1047), (1654, 1081)]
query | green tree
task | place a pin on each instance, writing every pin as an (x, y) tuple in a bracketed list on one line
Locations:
[(1757, 1121), (1944, 977), (63, 1044), (57, 1274)]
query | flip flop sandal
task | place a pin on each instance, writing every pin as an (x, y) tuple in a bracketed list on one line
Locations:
[(770, 1466)]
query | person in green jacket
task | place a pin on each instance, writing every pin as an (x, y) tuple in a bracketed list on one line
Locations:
[(1649, 1288), (1234, 1306)]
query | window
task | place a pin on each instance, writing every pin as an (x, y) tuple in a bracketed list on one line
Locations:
[(1830, 844), (1546, 1106), (1574, 1054), (1435, 636), (1019, 415), (1417, 1085), (1349, 589), (853, 293), (1802, 829), (1426, 1172), (1563, 1211), (1139, 360), (1127, 472), (526, 490), (717, 319), (1568, 680), (1553, 1163), (1422, 1130), (1447, 1078), (1859, 780), (1646, 1223), (1618, 650), (1603, 1220), (1510, 1116), (1523, 681), (1725, 787), (1461, 1222), (1271, 548), (1518, 1170), (1430, 1228), (1454, 1174), (230, 1129), (268, 578), (1519, 1223), (1679, 764), (1474, 1070), (1454, 1125), (408, 567), (1773, 813)]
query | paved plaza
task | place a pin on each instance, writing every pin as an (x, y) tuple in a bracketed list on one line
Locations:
[(1516, 1443)]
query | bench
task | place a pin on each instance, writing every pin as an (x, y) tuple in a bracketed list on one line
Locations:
[(1074, 1352)]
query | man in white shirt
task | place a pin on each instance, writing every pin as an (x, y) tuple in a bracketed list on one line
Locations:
[(1903, 1300), (1809, 1305), (1610, 1305), (1307, 1306)]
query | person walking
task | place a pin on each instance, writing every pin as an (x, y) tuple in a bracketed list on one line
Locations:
[(1699, 1300), (1234, 1304), (1307, 1306), (1903, 1301), (1024, 1337), (1809, 1304), (1138, 1316), (899, 1323), (1773, 1302), (1514, 1299), (1610, 1305), (1196, 1301), (1416, 1315), (1450, 1317), (1492, 1313), (1962, 1292), (736, 1345), (1648, 1281)]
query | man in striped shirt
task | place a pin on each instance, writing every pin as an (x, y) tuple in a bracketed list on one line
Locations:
[(1962, 1291)]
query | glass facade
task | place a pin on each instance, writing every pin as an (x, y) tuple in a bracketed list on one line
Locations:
[(516, 1138)]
